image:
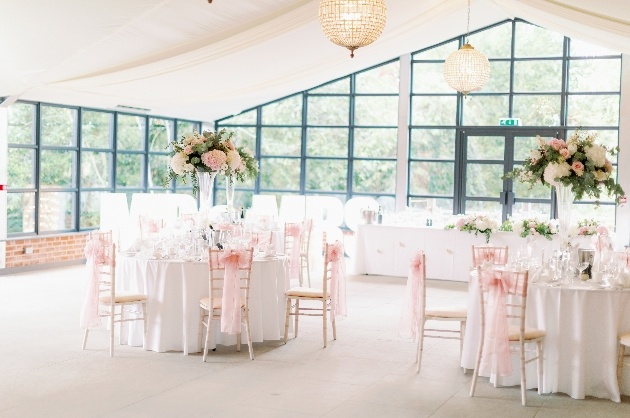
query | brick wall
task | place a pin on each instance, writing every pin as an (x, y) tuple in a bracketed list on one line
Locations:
[(45, 250)]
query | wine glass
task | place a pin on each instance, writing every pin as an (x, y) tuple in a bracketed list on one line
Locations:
[(610, 272)]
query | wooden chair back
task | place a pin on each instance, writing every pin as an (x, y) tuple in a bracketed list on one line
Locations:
[(217, 276), (485, 253)]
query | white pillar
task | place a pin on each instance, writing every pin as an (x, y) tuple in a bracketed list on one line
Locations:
[(4, 151), (623, 167), (402, 154)]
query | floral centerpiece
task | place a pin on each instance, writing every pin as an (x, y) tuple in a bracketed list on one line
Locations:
[(587, 227), (578, 163), (213, 152), (477, 224), (533, 227)]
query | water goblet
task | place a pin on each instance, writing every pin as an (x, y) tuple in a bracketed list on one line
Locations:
[(582, 268)]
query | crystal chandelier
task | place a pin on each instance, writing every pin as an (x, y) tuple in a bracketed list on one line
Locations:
[(352, 23), (467, 69)]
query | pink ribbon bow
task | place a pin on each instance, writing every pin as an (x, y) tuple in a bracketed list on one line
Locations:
[(96, 258), (496, 358), (337, 280), (295, 231), (413, 304), (231, 301)]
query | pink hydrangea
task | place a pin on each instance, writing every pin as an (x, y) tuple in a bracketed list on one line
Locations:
[(214, 159)]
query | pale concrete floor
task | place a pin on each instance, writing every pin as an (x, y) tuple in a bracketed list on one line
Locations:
[(368, 372)]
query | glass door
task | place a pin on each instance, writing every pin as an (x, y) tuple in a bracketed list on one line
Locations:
[(487, 155)]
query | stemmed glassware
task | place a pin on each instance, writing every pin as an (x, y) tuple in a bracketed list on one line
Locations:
[(582, 267)]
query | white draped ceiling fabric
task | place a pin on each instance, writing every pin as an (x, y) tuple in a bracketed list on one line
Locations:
[(194, 60)]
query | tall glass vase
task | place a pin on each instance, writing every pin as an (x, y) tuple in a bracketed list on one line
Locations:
[(564, 198), (230, 185), (205, 179)]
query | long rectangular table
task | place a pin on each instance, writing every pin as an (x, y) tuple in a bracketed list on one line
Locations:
[(387, 249), (174, 288)]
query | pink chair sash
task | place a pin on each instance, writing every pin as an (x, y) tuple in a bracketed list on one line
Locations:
[(295, 231), (96, 258), (231, 301), (496, 354), (413, 304), (337, 280)]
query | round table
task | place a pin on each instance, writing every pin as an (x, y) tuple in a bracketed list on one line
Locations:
[(580, 349), (174, 288)]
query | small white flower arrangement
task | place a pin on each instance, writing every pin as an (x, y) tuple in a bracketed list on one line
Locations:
[(534, 227), (477, 224)]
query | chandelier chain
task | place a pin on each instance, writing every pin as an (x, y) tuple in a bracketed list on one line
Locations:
[(468, 24)]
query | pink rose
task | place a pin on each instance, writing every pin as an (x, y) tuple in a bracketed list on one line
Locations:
[(188, 149), (564, 152), (460, 223), (532, 224), (557, 144), (532, 231), (608, 166), (582, 230), (578, 168)]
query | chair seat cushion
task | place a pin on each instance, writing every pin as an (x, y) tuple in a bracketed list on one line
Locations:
[(123, 297), (308, 292), (205, 303), (447, 312), (529, 334), (625, 339)]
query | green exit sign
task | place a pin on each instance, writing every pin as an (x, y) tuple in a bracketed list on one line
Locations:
[(509, 122)]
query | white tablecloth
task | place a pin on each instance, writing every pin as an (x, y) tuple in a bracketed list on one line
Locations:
[(174, 288), (580, 348)]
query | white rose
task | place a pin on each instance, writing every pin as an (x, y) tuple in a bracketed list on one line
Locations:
[(535, 155), (572, 147), (481, 225), (178, 161), (596, 154), (518, 227)]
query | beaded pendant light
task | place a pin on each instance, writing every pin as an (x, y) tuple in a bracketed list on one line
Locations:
[(467, 69), (352, 23)]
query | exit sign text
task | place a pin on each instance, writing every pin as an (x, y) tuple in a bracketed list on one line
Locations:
[(509, 122)]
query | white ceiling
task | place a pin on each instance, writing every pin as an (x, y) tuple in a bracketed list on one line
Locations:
[(194, 60)]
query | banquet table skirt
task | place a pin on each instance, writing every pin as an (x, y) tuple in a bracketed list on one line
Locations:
[(174, 288), (580, 348), (582, 327)]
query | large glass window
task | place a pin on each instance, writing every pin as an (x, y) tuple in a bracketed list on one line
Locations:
[(61, 160), (339, 139), (551, 83)]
